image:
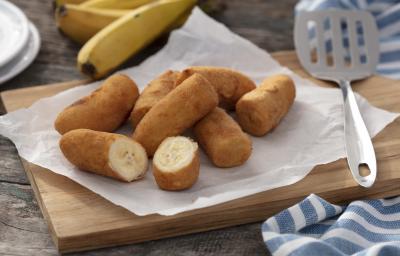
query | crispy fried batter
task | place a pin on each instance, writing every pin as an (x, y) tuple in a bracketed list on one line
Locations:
[(223, 140), (262, 109), (229, 84), (108, 154), (152, 94), (103, 110), (176, 112)]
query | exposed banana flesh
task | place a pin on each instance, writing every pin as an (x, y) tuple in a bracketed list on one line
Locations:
[(107, 154), (128, 158), (127, 35), (175, 153), (80, 23), (176, 163), (116, 4)]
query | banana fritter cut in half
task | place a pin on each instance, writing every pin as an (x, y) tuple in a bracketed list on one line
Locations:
[(176, 163), (112, 155)]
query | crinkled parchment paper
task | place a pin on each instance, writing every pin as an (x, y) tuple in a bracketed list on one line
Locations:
[(311, 133)]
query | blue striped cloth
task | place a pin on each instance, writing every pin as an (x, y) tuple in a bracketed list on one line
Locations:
[(316, 227), (387, 16)]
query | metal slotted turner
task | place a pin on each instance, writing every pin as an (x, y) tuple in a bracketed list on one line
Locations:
[(342, 46)]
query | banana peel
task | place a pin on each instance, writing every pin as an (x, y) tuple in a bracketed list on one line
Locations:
[(58, 3), (80, 23), (127, 35), (115, 4)]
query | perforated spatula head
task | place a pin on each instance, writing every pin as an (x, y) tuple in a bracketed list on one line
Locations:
[(342, 46), (337, 44)]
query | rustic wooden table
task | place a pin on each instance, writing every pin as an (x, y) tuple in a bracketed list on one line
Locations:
[(23, 231)]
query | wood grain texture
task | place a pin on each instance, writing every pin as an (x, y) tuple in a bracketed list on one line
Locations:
[(10, 164), (270, 29), (19, 217), (80, 219)]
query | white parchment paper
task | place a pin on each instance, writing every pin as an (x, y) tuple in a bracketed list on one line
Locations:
[(311, 133)]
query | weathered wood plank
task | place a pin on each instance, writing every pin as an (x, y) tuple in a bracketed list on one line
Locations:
[(240, 240), (10, 163), (268, 24), (22, 229)]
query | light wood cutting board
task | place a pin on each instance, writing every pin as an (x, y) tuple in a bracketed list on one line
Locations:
[(80, 219)]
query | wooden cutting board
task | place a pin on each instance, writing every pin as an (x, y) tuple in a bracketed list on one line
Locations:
[(80, 219)]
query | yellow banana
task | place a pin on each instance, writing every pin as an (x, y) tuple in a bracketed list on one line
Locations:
[(127, 35), (181, 20), (80, 23), (57, 3), (116, 4)]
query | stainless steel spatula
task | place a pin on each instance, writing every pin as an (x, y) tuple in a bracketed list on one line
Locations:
[(342, 46)]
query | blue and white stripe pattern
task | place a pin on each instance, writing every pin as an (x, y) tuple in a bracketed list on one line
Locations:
[(387, 16), (316, 227)]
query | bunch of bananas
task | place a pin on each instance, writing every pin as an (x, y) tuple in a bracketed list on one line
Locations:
[(111, 31)]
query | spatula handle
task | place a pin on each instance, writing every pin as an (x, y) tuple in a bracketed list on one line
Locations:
[(359, 146)]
